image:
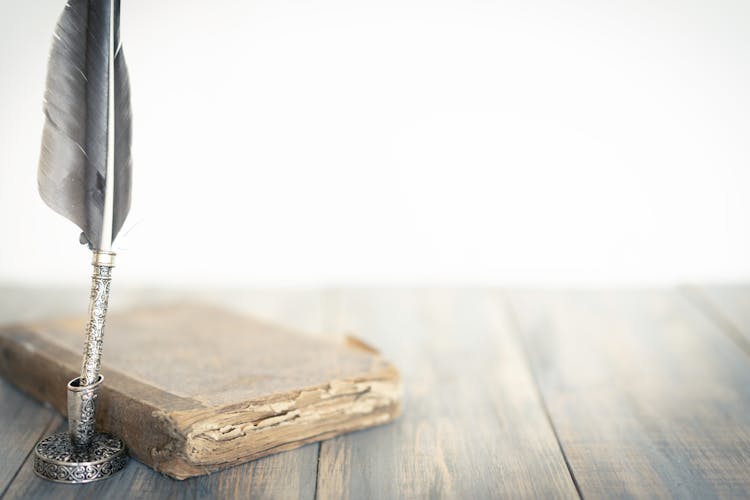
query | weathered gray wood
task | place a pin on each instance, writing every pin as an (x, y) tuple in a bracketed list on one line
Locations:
[(135, 481), (22, 420), (728, 307), (648, 397), (22, 423), (286, 475), (289, 475), (473, 425)]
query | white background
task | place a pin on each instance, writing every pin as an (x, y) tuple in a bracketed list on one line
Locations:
[(316, 142)]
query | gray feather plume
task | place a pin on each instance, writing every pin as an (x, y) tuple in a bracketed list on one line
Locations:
[(73, 161)]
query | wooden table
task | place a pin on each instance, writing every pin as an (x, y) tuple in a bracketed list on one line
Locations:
[(599, 394)]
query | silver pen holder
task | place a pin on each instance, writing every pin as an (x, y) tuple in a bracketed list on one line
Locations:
[(82, 411), (83, 455), (80, 455)]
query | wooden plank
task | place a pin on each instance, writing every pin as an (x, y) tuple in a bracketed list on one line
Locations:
[(648, 397), (728, 307), (286, 475), (473, 425), (22, 423)]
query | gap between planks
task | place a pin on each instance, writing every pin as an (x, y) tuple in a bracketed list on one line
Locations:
[(700, 299), (473, 425), (649, 397), (52, 423), (516, 329)]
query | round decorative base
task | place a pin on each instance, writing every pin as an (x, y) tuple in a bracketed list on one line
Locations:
[(56, 459)]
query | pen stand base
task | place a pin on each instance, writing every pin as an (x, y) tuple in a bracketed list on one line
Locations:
[(80, 455), (57, 459)]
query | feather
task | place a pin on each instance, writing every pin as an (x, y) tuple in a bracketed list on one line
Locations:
[(85, 165)]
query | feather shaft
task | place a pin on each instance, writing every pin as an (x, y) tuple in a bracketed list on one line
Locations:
[(109, 198)]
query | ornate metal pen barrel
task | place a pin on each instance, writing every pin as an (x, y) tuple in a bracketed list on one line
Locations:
[(103, 263), (82, 455)]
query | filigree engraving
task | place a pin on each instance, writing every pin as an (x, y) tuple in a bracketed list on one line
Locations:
[(82, 416), (58, 460), (92, 353)]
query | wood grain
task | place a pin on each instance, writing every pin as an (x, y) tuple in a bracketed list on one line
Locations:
[(23, 421), (649, 395), (728, 307), (473, 425), (22, 424), (649, 399)]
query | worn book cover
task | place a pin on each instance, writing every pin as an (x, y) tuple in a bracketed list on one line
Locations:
[(192, 388)]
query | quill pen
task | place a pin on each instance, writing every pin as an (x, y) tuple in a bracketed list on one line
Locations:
[(85, 163), (84, 175)]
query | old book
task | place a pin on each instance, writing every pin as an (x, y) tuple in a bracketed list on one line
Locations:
[(192, 389)]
